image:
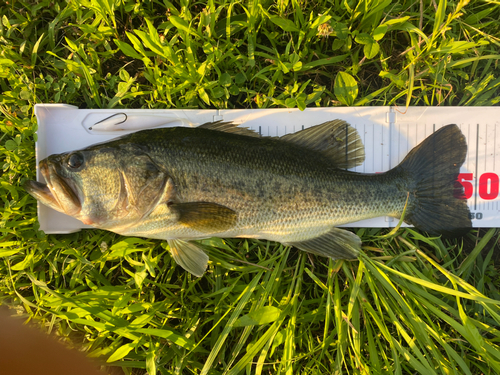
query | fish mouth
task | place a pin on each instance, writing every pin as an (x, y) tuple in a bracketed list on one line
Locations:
[(58, 193)]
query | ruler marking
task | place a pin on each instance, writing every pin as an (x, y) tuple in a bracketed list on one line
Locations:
[(364, 142), (494, 146), (373, 147), (485, 147), (407, 141), (382, 152), (409, 146), (400, 139), (346, 144), (468, 137), (477, 155), (433, 159)]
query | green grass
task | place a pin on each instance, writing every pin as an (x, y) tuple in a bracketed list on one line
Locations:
[(411, 304)]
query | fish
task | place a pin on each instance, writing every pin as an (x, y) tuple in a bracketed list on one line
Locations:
[(183, 184)]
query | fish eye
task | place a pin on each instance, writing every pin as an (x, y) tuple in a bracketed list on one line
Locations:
[(75, 160)]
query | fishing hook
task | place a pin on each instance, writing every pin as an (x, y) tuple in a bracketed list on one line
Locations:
[(107, 118)]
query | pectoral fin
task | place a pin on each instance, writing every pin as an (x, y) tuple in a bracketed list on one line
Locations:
[(336, 244), (205, 216), (189, 256)]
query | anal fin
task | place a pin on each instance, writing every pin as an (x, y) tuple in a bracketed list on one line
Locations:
[(336, 244), (189, 256)]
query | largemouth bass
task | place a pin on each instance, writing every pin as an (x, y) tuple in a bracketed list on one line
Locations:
[(183, 184)]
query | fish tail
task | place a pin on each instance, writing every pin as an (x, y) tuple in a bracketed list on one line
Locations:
[(437, 203)]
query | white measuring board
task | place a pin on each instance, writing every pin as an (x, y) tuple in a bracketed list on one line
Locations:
[(387, 133)]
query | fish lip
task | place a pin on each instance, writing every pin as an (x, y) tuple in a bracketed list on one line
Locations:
[(36, 188), (44, 170), (47, 194), (43, 192), (68, 197)]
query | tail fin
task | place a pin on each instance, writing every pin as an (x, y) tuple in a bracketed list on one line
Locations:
[(433, 166)]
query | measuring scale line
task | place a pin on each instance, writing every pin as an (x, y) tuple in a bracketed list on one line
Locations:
[(477, 160), (346, 144)]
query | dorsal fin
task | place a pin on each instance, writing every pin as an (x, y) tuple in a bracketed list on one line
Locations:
[(336, 139), (229, 127)]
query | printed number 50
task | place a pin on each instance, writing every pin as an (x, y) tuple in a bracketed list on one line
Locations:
[(486, 180)]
